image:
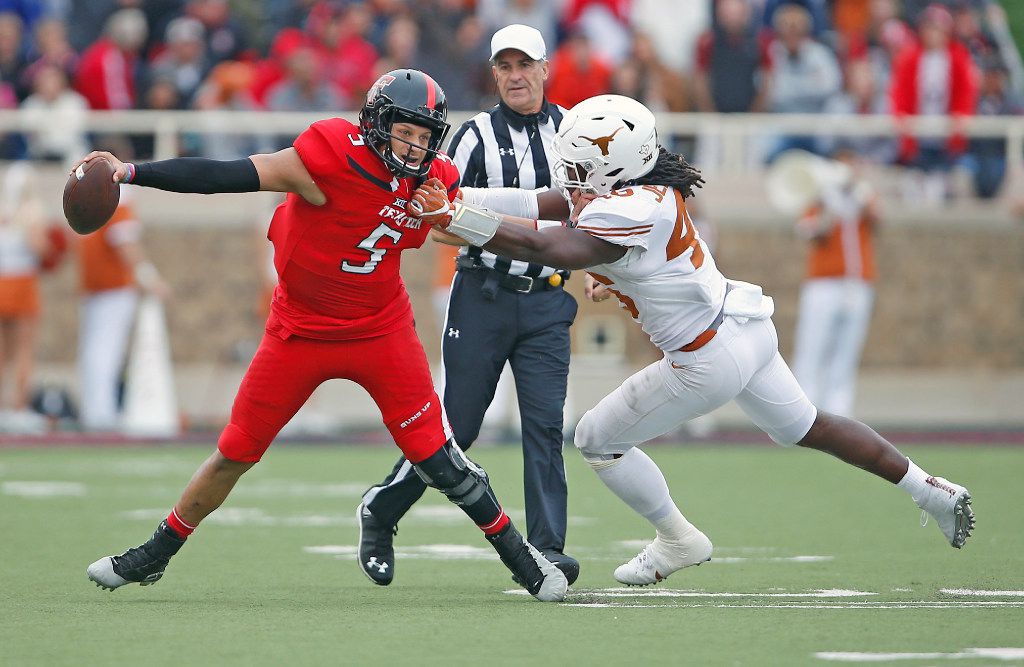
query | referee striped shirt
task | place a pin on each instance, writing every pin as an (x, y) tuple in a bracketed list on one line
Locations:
[(500, 148)]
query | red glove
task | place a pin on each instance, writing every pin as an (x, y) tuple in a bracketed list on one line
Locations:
[(430, 204)]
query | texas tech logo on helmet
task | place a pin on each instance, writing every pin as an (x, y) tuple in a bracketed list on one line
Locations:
[(378, 86)]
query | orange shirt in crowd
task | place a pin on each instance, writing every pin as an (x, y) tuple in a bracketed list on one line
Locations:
[(444, 265), (100, 264), (846, 251)]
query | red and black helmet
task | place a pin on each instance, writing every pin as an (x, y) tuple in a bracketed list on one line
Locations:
[(404, 96)]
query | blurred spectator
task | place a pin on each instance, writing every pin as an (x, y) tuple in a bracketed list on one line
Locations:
[(453, 40), (850, 19), (968, 31), (51, 48), (162, 95), (837, 296), (884, 47), (605, 24), (27, 11), (384, 12), (225, 38), (804, 72), (934, 76), (675, 33), (106, 74), (56, 116), (271, 69), (23, 243), (999, 29), (227, 89), (338, 31), (12, 53), (401, 46), (644, 77), (159, 14), (732, 63), (861, 96), (577, 72), (986, 158), (818, 15), (112, 268), (539, 14), (304, 88), (183, 62), (86, 20), (284, 14)]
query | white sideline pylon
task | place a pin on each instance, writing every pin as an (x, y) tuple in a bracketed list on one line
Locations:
[(150, 402)]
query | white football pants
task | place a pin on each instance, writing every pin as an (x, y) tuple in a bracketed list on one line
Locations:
[(741, 362), (831, 328), (104, 325)]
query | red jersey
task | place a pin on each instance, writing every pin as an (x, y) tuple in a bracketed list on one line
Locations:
[(338, 264)]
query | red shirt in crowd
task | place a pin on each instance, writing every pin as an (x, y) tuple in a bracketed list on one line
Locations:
[(106, 76)]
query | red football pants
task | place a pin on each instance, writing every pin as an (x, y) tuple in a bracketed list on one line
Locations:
[(392, 368)]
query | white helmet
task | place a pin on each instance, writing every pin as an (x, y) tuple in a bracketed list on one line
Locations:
[(604, 140)]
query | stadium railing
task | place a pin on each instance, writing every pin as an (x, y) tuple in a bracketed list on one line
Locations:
[(734, 131)]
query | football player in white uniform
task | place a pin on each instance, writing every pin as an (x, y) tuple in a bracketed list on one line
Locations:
[(632, 233)]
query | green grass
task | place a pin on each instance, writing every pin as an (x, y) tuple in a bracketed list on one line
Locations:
[(245, 593)]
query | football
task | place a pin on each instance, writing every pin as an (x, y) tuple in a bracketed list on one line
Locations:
[(91, 196)]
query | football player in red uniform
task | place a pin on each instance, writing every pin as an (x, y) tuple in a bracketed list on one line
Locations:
[(340, 310)]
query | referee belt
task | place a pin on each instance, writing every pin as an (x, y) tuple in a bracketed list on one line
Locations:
[(517, 284)]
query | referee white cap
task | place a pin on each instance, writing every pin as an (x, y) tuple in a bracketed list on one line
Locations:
[(520, 37)]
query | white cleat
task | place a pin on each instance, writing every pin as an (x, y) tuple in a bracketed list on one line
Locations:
[(555, 585), (661, 558), (950, 505), (102, 572)]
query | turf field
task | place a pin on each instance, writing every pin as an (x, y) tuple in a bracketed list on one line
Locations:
[(814, 563)]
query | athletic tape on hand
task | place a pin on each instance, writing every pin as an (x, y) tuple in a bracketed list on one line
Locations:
[(476, 225)]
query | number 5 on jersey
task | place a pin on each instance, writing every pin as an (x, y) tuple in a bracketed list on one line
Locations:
[(369, 244)]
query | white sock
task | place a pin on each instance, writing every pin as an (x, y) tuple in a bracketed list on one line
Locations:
[(638, 481), (914, 482)]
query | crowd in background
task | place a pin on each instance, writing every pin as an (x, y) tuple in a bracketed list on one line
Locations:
[(809, 56)]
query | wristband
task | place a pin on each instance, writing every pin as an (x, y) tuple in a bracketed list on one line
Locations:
[(129, 175), (478, 226)]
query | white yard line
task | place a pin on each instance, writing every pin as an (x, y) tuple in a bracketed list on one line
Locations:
[(807, 605), (968, 653), (424, 551), (42, 489), (993, 594)]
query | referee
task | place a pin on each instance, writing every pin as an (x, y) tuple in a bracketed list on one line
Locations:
[(500, 310)]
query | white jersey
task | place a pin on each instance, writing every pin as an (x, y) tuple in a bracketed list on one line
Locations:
[(667, 279)]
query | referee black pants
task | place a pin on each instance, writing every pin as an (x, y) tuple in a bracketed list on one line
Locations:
[(531, 332)]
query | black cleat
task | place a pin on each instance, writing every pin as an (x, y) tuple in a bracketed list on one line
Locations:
[(530, 569), (569, 566), (143, 565), (376, 552)]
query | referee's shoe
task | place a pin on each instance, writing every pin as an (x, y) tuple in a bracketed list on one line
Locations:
[(376, 551)]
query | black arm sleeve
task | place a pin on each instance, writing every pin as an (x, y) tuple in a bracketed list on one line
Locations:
[(199, 175)]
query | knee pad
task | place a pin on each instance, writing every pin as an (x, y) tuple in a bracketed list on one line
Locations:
[(238, 445), (587, 440), (462, 481)]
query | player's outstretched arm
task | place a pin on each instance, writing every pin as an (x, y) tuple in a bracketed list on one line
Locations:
[(282, 171), (560, 247), (530, 204)]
